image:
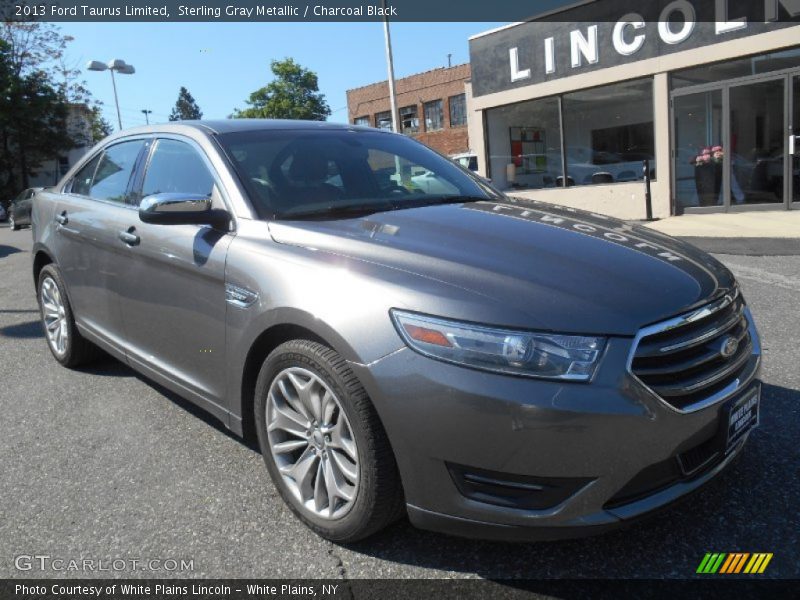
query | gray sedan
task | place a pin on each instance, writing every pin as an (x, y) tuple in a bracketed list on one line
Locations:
[(488, 366)]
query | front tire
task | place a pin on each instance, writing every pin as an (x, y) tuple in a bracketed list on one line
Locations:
[(323, 444), (12, 223), (67, 345)]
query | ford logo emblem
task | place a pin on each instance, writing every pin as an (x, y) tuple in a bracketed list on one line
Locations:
[(729, 347)]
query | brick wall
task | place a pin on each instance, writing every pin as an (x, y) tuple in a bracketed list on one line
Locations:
[(437, 84)]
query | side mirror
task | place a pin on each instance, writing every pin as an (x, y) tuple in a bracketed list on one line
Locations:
[(181, 209)]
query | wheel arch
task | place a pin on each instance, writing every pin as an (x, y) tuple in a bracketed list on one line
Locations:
[(266, 342), (41, 259)]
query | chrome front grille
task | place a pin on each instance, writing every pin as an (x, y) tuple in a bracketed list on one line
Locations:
[(698, 357)]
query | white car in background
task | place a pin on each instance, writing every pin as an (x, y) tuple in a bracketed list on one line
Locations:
[(468, 160)]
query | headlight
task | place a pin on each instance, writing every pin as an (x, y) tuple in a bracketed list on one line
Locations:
[(546, 355)]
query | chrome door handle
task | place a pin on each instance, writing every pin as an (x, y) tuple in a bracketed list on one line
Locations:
[(62, 218), (129, 237)]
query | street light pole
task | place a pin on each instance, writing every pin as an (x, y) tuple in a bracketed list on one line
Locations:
[(118, 65), (146, 117), (116, 99), (390, 66)]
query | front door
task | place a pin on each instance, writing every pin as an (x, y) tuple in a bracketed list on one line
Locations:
[(735, 145), (794, 144), (173, 289), (757, 140)]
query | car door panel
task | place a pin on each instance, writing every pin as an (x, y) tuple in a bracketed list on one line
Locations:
[(88, 252), (173, 304), (91, 256), (173, 292)]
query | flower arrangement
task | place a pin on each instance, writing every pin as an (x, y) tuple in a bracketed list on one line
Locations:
[(709, 155)]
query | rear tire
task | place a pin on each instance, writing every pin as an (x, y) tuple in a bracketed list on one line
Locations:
[(67, 345), (314, 386)]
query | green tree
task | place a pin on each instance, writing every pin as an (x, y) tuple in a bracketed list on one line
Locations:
[(43, 102), (185, 107), (100, 127), (33, 116), (293, 94)]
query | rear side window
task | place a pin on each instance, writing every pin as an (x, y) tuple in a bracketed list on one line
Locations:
[(82, 181), (176, 167), (114, 171)]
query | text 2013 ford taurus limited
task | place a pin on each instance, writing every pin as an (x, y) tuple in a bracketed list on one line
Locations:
[(401, 337)]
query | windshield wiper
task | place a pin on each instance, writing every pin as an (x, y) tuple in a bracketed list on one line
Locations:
[(337, 212), (460, 199), (362, 210), (440, 200)]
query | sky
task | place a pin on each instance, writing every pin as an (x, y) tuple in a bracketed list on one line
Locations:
[(222, 63)]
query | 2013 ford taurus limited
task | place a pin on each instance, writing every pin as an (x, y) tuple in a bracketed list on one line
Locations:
[(401, 337)]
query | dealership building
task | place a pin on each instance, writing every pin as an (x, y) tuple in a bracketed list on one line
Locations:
[(568, 107)]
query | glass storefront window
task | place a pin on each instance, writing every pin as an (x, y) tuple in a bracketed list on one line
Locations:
[(757, 142), (609, 133), (733, 69), (794, 169), (698, 149), (525, 144)]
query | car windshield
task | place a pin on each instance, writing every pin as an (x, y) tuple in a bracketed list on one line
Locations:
[(340, 173)]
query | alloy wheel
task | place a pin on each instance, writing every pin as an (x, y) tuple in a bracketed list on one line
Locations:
[(312, 443), (55, 316)]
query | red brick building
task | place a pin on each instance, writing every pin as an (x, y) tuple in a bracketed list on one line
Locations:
[(432, 107)]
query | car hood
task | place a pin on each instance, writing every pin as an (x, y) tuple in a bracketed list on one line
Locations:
[(538, 265)]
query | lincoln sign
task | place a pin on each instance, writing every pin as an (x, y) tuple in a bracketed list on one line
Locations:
[(607, 33)]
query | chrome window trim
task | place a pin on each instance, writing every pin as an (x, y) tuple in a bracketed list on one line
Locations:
[(729, 390), (94, 152)]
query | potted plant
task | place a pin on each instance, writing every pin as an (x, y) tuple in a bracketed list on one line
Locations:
[(708, 174)]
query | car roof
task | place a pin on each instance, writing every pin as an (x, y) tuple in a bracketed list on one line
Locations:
[(236, 125)]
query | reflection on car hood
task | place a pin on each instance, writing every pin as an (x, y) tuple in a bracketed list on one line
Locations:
[(568, 270)]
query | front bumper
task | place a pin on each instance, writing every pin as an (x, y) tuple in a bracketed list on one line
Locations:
[(599, 437)]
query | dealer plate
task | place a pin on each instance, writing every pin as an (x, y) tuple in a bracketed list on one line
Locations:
[(743, 417)]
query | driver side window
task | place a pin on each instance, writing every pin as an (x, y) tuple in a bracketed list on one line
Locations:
[(176, 167)]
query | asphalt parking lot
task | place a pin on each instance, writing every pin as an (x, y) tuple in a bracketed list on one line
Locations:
[(101, 463)]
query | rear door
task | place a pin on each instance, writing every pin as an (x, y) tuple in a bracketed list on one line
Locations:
[(91, 255), (172, 294)]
